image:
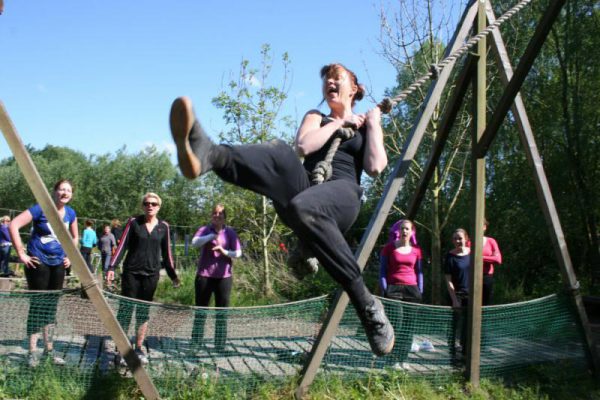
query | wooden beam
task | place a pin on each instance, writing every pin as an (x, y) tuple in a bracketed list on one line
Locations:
[(513, 87), (542, 187), (394, 185), (477, 207), (78, 264), (463, 82)]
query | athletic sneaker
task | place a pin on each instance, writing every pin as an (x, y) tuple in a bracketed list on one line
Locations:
[(32, 360), (377, 327), (142, 356), (120, 361), (56, 360), (193, 144), (300, 264)]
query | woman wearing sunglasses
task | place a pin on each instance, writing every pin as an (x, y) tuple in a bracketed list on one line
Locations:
[(146, 240)]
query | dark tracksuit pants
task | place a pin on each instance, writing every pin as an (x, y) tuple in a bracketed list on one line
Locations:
[(204, 288), (318, 214)]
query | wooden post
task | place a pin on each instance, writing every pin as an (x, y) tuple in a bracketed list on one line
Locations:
[(525, 63), (478, 208), (77, 262), (394, 185), (542, 187)]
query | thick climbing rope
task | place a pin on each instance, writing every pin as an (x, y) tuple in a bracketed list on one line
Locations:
[(322, 171)]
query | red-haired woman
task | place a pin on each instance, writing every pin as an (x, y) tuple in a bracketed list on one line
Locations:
[(319, 214)]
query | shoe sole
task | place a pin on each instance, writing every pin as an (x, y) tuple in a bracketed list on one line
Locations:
[(181, 120), (389, 349)]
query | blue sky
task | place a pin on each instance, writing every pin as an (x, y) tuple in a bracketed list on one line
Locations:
[(99, 75)]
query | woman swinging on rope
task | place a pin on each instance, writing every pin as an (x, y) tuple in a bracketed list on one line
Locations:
[(318, 214)]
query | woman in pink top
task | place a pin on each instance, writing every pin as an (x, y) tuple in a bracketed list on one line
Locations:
[(401, 278), (491, 256)]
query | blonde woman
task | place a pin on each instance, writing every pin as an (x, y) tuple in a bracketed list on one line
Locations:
[(146, 240)]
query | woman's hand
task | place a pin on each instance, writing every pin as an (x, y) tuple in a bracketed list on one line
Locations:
[(176, 283), (373, 116), (110, 276), (220, 249), (356, 121), (67, 262), (30, 262)]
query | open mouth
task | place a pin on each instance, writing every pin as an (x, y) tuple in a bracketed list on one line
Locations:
[(332, 89)]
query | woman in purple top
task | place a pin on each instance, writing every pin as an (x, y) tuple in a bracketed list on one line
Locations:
[(5, 245), (45, 262), (219, 245)]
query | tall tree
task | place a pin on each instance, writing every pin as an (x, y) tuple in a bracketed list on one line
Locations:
[(251, 108)]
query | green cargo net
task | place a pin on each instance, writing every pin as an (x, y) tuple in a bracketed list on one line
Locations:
[(243, 347)]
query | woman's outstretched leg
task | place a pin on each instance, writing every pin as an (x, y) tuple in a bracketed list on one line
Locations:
[(318, 216), (271, 168)]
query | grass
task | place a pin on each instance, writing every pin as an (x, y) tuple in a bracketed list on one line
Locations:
[(54, 383)]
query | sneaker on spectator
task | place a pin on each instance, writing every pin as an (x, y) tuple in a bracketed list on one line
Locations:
[(142, 356), (56, 360), (32, 360), (120, 361)]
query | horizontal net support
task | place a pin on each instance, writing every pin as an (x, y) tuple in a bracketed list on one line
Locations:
[(243, 347)]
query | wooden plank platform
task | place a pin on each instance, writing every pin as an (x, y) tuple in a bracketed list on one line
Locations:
[(284, 356)]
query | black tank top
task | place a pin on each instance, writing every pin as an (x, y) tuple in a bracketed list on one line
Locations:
[(348, 159)]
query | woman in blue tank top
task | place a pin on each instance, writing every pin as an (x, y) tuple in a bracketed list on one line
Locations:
[(45, 262)]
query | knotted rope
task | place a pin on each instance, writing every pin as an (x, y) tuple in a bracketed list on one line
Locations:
[(322, 171)]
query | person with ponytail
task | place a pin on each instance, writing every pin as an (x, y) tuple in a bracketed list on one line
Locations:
[(457, 271), (401, 278), (318, 213)]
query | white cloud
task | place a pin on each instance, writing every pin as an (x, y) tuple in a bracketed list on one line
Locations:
[(253, 81)]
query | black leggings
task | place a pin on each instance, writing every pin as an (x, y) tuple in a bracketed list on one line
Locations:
[(42, 308), (407, 325), (136, 286), (488, 290), (318, 214), (205, 287)]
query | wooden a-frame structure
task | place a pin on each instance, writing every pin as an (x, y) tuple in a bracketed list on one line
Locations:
[(476, 16), (473, 72)]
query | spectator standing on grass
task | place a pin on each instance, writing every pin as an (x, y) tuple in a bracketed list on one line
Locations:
[(219, 245), (106, 244), (45, 262), (146, 240), (401, 278), (491, 257), (88, 241), (5, 246), (456, 270)]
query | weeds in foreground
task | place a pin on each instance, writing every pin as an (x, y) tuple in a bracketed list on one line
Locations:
[(49, 383)]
